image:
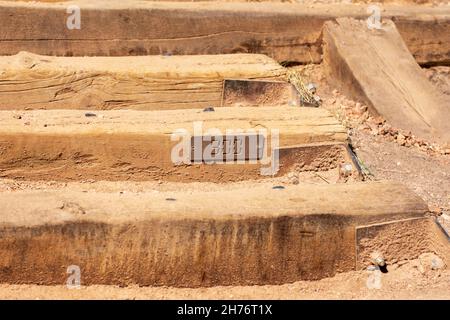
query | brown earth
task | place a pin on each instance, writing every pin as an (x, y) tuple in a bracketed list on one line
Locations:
[(384, 151), (405, 280), (440, 77)]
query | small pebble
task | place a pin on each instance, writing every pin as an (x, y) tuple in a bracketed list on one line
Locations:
[(311, 87)]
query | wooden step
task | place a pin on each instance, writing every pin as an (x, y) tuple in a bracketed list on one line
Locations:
[(283, 31), (29, 81), (190, 237), (137, 145), (376, 67)]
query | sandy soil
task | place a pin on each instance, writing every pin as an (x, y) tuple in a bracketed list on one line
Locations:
[(385, 153), (440, 77), (298, 1), (406, 280)]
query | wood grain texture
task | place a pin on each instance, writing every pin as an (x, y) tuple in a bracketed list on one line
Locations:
[(283, 31), (29, 81), (228, 236), (136, 145), (376, 67)]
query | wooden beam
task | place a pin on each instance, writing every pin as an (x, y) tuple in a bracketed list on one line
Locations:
[(285, 32), (29, 81), (136, 145), (201, 236), (376, 67)]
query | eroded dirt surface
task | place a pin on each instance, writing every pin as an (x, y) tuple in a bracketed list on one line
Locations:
[(428, 175), (387, 153), (406, 280), (440, 77)]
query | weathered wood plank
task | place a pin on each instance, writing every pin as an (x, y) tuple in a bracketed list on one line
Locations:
[(376, 67), (219, 236), (285, 32), (30, 81), (137, 145)]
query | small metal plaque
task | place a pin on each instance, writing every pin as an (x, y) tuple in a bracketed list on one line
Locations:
[(227, 148)]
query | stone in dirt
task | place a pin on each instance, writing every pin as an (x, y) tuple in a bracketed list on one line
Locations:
[(430, 261)]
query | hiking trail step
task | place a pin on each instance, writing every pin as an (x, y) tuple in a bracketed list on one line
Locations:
[(137, 145), (29, 81), (223, 236)]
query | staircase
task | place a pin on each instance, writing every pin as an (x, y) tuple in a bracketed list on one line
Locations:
[(90, 142)]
